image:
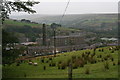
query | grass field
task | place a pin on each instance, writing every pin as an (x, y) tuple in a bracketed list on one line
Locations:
[(95, 70), (16, 23)]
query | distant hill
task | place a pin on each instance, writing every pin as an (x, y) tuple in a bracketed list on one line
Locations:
[(73, 20), (31, 30), (98, 23)]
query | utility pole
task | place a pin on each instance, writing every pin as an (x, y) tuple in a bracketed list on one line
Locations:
[(53, 26)]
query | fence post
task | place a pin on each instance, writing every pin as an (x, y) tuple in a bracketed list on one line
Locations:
[(70, 71)]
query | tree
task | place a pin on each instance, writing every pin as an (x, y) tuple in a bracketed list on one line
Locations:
[(7, 7), (9, 56), (8, 38)]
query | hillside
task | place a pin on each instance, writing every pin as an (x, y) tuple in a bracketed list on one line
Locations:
[(85, 63), (105, 25), (71, 20), (32, 31)]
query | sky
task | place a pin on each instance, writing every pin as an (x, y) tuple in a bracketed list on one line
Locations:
[(75, 7)]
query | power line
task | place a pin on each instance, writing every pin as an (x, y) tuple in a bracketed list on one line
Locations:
[(64, 11)]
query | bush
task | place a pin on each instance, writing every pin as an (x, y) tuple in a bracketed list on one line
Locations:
[(44, 67), (102, 60), (100, 56), (119, 62), (68, 62), (73, 57), (105, 58), (81, 63), (112, 51), (50, 58), (106, 65), (102, 50), (63, 65), (83, 55), (92, 60), (47, 61), (59, 62), (112, 59), (18, 64), (87, 71), (52, 64), (58, 66), (113, 63), (42, 60), (75, 65)]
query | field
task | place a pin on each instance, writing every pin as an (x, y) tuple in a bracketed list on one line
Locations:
[(99, 63), (16, 23)]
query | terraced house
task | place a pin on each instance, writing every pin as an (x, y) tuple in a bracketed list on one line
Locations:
[(62, 44)]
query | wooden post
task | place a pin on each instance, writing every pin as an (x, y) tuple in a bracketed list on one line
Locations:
[(70, 71)]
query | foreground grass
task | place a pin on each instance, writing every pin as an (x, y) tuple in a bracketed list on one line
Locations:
[(95, 70)]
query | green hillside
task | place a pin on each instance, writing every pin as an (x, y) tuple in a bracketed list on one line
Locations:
[(34, 30), (103, 64), (20, 24)]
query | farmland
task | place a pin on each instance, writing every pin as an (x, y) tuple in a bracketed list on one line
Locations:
[(89, 63)]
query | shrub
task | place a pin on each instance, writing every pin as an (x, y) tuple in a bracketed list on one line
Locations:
[(108, 56), (73, 57), (59, 62), (102, 60), (49, 64), (113, 63), (18, 64), (102, 50), (81, 63), (75, 66), (58, 66), (42, 60), (68, 62), (83, 55), (50, 58), (44, 67), (112, 51), (87, 71), (47, 61), (106, 65), (100, 56), (105, 58), (64, 55), (119, 62), (112, 59), (92, 60), (52, 64), (63, 65), (85, 61)]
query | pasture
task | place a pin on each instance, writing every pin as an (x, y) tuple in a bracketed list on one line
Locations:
[(90, 63)]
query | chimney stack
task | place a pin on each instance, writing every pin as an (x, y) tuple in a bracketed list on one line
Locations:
[(44, 35)]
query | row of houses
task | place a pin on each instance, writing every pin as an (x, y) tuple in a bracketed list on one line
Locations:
[(45, 50), (62, 44), (63, 40)]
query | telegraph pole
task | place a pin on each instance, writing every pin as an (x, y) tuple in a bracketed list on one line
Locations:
[(53, 26)]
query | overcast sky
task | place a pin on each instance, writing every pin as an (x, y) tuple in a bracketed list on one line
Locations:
[(74, 7)]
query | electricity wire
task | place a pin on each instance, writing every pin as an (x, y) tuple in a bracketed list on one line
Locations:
[(64, 11)]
